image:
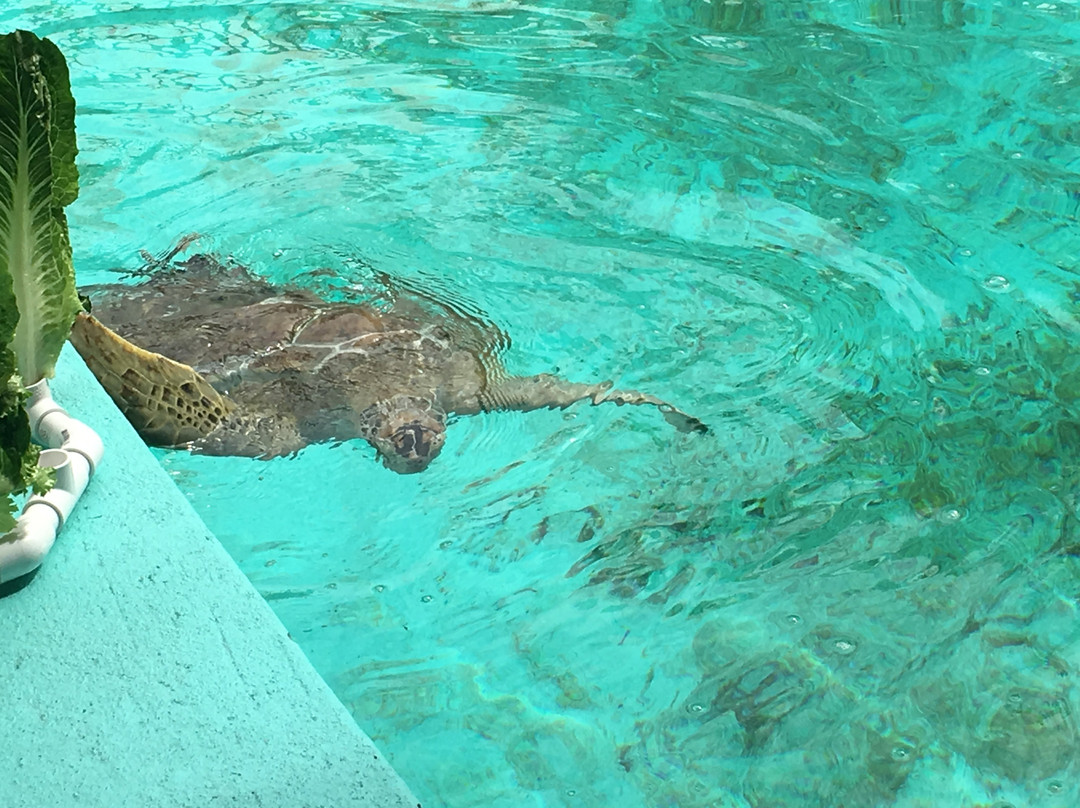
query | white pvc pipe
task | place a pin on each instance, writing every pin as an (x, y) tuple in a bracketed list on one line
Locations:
[(74, 450)]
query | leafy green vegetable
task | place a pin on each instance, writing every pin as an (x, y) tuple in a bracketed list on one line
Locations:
[(18, 456), (38, 301), (38, 178), (14, 440)]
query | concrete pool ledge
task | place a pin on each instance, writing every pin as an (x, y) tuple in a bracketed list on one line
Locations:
[(140, 667)]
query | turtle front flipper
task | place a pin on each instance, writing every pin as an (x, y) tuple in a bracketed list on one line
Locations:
[(167, 402), (682, 421), (244, 434), (537, 392)]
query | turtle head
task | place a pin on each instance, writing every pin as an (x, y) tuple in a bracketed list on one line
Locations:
[(407, 432)]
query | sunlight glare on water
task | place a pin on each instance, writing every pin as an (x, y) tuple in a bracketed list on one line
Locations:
[(842, 233)]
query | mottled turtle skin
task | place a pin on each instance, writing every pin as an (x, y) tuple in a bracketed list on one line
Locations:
[(216, 359)]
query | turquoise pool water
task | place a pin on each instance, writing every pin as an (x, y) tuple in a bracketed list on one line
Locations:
[(842, 233)]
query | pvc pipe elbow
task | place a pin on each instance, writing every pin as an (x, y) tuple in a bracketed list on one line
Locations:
[(57, 429), (51, 426), (74, 450), (23, 549)]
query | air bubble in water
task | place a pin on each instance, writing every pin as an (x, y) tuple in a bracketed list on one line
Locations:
[(426, 599), (996, 283), (844, 647)]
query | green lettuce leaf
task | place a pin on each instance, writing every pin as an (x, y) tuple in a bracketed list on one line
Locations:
[(38, 177), (18, 457), (38, 301)]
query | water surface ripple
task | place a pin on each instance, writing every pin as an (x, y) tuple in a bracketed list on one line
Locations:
[(842, 233)]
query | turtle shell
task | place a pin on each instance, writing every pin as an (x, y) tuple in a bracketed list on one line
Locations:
[(285, 350)]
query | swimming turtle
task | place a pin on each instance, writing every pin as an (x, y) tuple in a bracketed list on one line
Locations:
[(212, 357)]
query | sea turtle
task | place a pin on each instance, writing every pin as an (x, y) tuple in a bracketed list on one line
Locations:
[(225, 363)]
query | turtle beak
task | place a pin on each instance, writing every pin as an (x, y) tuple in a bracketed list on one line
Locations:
[(407, 432), (413, 446)]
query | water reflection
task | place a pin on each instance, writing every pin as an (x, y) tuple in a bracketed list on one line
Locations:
[(846, 230)]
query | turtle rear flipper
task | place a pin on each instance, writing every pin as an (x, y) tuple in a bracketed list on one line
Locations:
[(537, 392), (167, 402)]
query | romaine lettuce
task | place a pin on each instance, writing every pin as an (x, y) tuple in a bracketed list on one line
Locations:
[(38, 178), (38, 301)]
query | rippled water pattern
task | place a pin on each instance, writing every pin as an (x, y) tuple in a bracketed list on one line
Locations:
[(842, 233)]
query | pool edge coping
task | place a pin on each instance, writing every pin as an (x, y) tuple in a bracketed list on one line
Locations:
[(146, 663)]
